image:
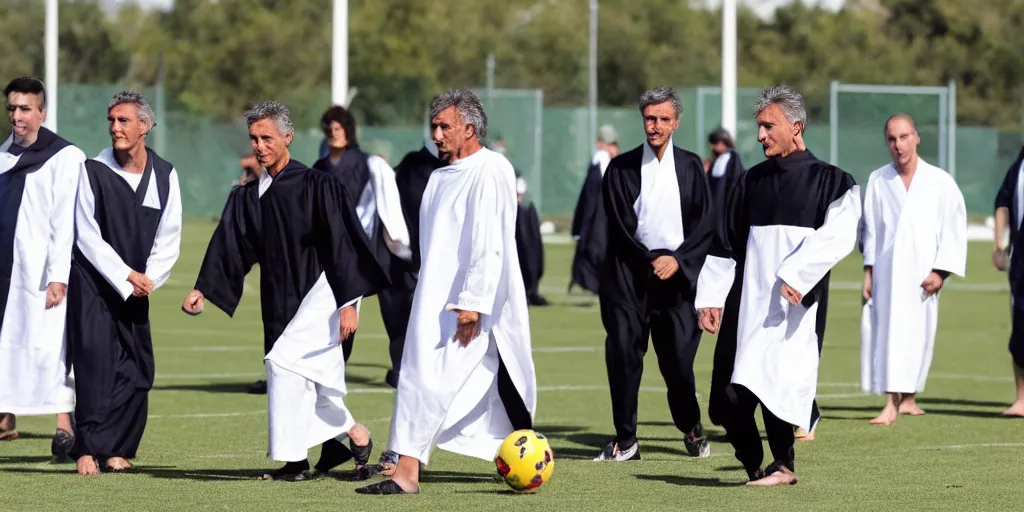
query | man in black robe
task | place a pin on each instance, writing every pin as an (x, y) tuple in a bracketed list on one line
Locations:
[(660, 226), (1009, 208), (529, 245), (789, 220), (128, 225), (315, 262), (370, 184), (589, 225)]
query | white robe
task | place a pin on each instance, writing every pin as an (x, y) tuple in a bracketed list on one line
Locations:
[(33, 373), (907, 234), (447, 394)]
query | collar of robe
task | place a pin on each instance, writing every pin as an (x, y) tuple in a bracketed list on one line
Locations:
[(43, 140), (292, 164), (795, 160)]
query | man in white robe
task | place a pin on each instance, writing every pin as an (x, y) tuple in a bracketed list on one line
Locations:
[(467, 378), (915, 235), (786, 223), (38, 178)]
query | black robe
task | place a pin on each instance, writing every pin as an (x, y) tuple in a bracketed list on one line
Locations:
[(530, 248), (589, 228), (12, 188), (411, 177), (721, 185), (792, 191), (302, 226), (110, 344), (1007, 198)]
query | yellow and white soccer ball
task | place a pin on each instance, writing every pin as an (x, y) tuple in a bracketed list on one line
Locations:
[(525, 460)]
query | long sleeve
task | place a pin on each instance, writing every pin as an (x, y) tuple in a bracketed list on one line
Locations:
[(1004, 197), (389, 207), (90, 241), (232, 251), (618, 206), (869, 230), (67, 171), (952, 251), (341, 245), (489, 214), (167, 245), (728, 246), (826, 246)]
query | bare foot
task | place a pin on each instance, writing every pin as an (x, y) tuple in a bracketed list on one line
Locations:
[(359, 435), (1015, 410), (909, 406), (87, 466), (781, 477), (808, 437), (887, 416), (119, 464)]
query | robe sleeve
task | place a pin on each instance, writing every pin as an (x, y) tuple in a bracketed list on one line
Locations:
[(1004, 197), (232, 251), (727, 247), (389, 207), (491, 211), (698, 224), (90, 241), (951, 255), (619, 206), (827, 245), (167, 245), (869, 230), (341, 245), (67, 173)]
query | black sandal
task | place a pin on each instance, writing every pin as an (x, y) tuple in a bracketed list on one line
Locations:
[(385, 487)]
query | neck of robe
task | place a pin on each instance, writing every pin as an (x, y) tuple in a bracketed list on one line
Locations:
[(335, 154), (132, 160), (907, 170), (797, 147), (468, 149), (660, 151), (27, 140), (278, 166)]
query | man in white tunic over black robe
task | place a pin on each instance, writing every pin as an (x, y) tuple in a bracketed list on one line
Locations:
[(38, 178), (315, 263), (128, 227), (915, 235), (467, 378), (787, 222)]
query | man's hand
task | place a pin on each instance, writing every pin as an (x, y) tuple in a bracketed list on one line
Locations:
[(468, 327), (55, 293), (193, 304), (141, 282), (710, 319), (665, 267), (349, 322), (794, 297), (932, 284), (999, 259), (867, 284)]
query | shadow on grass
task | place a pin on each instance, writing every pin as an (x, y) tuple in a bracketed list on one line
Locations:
[(213, 387), (24, 459), (690, 481)]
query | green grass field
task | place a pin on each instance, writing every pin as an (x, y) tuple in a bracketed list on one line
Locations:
[(206, 438)]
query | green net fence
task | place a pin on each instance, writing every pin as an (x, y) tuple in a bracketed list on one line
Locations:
[(551, 146)]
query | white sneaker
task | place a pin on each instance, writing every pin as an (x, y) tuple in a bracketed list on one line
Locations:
[(612, 452)]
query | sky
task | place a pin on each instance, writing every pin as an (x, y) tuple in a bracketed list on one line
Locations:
[(764, 8)]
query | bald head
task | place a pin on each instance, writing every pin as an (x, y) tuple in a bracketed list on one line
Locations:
[(900, 118), (902, 139)]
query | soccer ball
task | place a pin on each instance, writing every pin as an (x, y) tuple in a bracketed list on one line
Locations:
[(525, 460)]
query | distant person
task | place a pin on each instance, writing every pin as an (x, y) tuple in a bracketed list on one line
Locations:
[(589, 226), (725, 166), (530, 245)]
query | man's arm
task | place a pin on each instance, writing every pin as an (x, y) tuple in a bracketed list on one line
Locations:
[(67, 169), (491, 211), (230, 255), (167, 244), (95, 249), (619, 206)]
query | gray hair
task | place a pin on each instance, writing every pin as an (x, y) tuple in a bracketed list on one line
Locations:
[(146, 114), (661, 95), (790, 101), (271, 110), (467, 104)]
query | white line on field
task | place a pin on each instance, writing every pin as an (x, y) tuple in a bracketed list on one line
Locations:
[(979, 378), (975, 445)]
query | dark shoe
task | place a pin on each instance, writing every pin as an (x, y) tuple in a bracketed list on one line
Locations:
[(361, 454), (384, 487), (61, 445), (537, 299), (332, 454), (290, 472), (258, 388), (696, 444)]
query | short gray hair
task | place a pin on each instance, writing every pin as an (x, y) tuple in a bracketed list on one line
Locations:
[(661, 95), (271, 110), (146, 114), (468, 106), (790, 101)]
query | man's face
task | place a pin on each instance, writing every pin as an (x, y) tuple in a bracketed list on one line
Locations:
[(25, 112), (613, 150), (902, 139), (269, 146), (126, 129), (719, 148), (660, 122), (775, 133), (449, 133), (335, 136)]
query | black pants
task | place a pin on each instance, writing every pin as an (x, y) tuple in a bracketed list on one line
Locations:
[(515, 408), (395, 308), (741, 429), (675, 336), (1017, 337)]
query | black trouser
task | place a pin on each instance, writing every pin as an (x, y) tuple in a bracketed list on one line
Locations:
[(395, 309), (741, 429), (676, 336)]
